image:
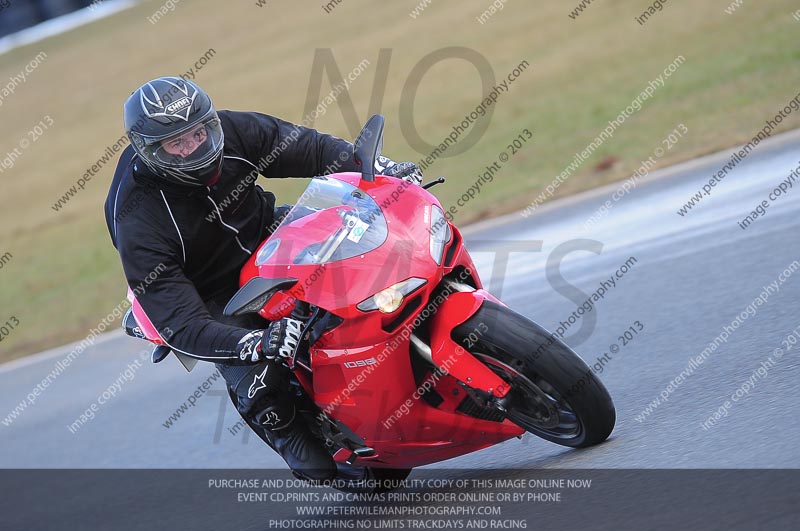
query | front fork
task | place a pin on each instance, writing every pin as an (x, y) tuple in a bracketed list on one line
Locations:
[(462, 303)]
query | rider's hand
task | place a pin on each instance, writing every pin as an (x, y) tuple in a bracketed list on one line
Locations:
[(281, 339), (278, 340), (408, 171)]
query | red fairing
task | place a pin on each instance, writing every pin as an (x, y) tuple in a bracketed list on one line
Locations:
[(361, 373)]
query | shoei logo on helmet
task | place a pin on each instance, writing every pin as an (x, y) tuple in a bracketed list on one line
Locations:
[(177, 106), (155, 103)]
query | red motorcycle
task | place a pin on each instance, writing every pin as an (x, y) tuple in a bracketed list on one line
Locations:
[(405, 359)]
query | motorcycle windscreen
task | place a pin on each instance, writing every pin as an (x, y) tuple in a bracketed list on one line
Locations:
[(332, 221)]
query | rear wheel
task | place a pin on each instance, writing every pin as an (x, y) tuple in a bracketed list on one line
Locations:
[(554, 394)]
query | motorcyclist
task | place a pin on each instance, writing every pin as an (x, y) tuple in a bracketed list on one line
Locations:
[(184, 204)]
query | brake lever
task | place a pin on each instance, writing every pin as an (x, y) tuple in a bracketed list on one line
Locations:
[(433, 183), (305, 333)]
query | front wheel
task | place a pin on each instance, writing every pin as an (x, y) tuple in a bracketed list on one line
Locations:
[(554, 394)]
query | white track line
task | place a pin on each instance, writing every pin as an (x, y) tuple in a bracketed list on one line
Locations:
[(63, 24), (774, 142)]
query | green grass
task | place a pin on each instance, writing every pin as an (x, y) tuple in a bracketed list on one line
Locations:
[(65, 275)]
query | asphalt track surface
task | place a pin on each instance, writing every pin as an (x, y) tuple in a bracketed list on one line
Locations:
[(693, 275)]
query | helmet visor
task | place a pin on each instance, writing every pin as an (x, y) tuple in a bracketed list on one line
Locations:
[(191, 149)]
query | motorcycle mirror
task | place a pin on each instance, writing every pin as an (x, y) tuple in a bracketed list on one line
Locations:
[(254, 295), (368, 146)]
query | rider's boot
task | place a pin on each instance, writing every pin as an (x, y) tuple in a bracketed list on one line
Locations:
[(288, 435)]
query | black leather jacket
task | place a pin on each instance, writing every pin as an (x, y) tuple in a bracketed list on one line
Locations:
[(182, 246)]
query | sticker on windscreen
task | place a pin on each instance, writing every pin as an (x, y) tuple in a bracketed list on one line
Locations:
[(357, 232)]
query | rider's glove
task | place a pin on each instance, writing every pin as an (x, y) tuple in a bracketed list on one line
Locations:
[(279, 340), (408, 171)]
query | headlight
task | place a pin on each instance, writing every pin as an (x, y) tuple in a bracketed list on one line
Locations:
[(440, 234), (389, 300)]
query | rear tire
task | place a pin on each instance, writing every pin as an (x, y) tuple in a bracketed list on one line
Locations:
[(554, 395)]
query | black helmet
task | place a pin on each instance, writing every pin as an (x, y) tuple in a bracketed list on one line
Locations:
[(175, 130)]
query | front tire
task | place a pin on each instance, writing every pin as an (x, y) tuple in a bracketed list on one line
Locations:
[(554, 395)]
